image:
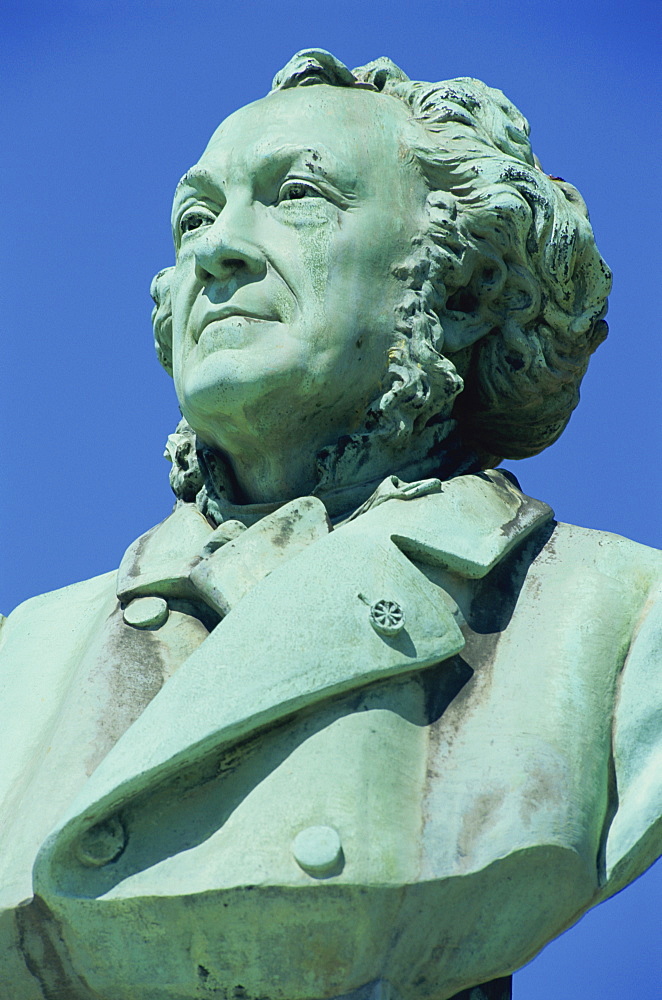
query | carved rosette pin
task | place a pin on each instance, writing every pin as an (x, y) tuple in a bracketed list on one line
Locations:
[(387, 617)]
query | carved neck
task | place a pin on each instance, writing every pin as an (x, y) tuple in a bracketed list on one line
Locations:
[(347, 472)]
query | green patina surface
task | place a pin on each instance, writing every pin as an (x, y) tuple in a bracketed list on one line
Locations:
[(358, 720)]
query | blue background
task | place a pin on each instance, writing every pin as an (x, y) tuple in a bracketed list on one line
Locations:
[(104, 104)]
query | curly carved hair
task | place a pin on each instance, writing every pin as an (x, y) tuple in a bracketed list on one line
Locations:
[(505, 291)]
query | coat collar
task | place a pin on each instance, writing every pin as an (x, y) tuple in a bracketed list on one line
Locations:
[(467, 525)]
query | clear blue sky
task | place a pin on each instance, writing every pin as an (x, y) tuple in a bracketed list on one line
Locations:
[(105, 103)]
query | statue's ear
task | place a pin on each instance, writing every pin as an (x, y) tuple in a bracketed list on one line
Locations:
[(162, 317)]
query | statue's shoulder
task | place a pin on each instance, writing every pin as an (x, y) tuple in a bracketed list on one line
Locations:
[(59, 616), (471, 523), (610, 554)]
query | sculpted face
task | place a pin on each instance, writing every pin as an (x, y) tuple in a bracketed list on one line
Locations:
[(282, 295)]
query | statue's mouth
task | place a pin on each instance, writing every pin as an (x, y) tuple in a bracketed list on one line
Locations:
[(230, 313)]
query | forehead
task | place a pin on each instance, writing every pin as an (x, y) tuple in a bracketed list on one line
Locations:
[(351, 133)]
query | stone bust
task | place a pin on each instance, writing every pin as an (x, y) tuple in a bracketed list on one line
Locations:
[(359, 719)]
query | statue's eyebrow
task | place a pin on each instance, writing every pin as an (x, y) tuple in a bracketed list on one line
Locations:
[(197, 178), (318, 159)]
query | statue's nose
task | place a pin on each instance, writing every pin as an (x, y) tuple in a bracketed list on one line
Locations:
[(223, 252)]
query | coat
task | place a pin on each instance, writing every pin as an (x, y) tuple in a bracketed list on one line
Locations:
[(412, 749)]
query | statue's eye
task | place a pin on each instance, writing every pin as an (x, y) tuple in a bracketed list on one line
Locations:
[(194, 219), (295, 190)]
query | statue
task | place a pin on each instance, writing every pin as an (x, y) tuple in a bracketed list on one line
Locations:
[(359, 719)]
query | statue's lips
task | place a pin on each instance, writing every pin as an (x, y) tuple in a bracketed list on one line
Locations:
[(219, 330)]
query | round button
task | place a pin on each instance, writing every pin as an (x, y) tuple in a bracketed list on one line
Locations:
[(318, 850), (102, 843), (146, 612), (387, 617)]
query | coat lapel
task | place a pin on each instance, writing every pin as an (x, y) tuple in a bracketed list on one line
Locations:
[(302, 634)]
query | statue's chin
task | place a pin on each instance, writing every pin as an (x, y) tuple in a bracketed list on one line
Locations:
[(228, 395)]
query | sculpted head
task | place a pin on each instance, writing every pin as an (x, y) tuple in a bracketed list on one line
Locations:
[(373, 256)]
